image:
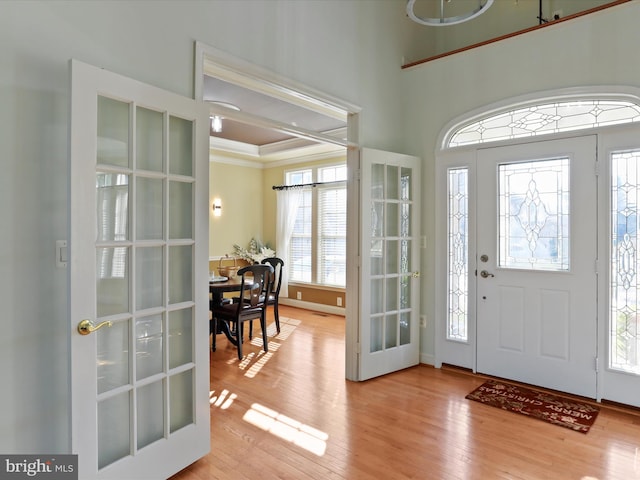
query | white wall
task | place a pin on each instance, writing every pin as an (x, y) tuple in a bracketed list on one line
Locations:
[(599, 49), (349, 49)]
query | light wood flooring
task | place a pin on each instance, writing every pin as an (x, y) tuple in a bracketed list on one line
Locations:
[(290, 414)]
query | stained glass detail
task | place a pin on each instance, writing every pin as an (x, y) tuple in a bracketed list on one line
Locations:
[(534, 215), (458, 248), (546, 119), (624, 341)]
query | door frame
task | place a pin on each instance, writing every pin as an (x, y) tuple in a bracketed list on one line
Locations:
[(212, 61), (446, 157)]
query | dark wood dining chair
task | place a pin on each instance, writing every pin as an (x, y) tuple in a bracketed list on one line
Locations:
[(255, 279), (274, 294)]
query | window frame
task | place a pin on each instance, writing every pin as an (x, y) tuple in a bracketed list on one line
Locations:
[(316, 268)]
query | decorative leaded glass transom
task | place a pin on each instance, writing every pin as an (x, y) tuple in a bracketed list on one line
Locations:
[(546, 119), (534, 215)]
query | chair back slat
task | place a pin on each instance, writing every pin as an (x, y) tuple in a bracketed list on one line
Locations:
[(261, 278)]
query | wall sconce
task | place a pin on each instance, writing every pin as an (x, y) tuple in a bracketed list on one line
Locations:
[(217, 207)]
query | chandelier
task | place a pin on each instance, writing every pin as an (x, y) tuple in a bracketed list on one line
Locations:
[(443, 19)]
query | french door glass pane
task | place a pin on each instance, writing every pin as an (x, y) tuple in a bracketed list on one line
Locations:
[(391, 331), (114, 420), (180, 334), (149, 346), (405, 328), (393, 183), (113, 132), (392, 220), (180, 146), (376, 334), (180, 274), (149, 209), (149, 284), (149, 139), (112, 204), (181, 400), (458, 250), (150, 413), (180, 210), (113, 356), (112, 282), (534, 215), (624, 338)]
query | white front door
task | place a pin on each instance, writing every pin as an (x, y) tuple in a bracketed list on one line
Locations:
[(390, 259), (536, 263), (138, 273)]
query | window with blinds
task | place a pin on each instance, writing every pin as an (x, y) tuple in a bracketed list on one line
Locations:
[(318, 243)]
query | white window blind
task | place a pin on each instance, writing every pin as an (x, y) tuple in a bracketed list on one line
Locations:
[(317, 251)]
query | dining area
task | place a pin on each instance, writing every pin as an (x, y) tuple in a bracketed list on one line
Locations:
[(242, 294)]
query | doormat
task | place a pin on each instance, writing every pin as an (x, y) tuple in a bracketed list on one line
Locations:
[(561, 411)]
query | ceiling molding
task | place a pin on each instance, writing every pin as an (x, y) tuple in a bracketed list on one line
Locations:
[(224, 66)]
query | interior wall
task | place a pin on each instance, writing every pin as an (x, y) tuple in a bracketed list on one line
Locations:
[(240, 189), (502, 18), (350, 49), (598, 49)]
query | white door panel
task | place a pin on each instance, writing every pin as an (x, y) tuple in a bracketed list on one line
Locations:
[(536, 284), (138, 266), (390, 260)]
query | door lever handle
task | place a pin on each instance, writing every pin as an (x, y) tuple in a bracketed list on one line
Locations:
[(485, 274), (85, 327)]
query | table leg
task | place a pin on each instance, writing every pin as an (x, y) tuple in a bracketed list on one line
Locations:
[(218, 325)]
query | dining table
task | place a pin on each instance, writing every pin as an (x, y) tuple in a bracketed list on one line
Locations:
[(218, 286)]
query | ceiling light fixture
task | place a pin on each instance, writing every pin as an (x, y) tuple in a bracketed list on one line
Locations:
[(216, 120), (216, 123), (443, 20)]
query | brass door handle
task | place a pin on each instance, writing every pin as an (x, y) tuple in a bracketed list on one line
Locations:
[(85, 327), (485, 274)]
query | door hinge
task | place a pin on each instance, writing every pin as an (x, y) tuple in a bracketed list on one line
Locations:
[(597, 168), (358, 351), (596, 266), (596, 364)]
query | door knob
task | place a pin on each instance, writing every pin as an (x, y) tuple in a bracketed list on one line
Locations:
[(485, 274), (85, 327)]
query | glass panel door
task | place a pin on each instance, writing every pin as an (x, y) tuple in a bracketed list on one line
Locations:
[(138, 272), (389, 337)]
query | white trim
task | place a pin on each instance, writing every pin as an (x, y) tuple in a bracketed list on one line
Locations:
[(611, 92), (222, 65), (316, 307)]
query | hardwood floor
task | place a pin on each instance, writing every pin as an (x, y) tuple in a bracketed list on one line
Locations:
[(290, 414)]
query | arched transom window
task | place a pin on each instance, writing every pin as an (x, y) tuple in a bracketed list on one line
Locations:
[(543, 119)]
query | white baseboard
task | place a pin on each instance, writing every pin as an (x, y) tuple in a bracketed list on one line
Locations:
[(318, 307), (427, 358)]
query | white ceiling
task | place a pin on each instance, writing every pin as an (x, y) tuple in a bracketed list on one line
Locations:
[(247, 138)]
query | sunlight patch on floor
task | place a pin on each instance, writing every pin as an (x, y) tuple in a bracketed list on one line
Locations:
[(223, 401), (288, 429), (254, 362)]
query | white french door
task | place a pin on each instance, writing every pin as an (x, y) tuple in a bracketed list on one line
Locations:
[(390, 260), (138, 272), (536, 263)]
